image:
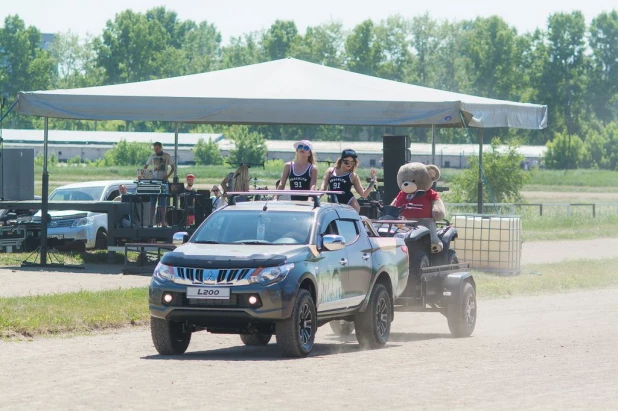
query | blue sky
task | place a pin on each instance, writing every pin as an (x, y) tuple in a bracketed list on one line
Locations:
[(234, 17)]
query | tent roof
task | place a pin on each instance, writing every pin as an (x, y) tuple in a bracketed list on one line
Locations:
[(286, 91)]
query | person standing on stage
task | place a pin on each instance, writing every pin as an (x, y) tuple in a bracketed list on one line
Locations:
[(160, 161), (342, 177), (302, 171), (189, 202)]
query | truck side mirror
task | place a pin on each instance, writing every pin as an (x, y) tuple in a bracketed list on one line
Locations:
[(333, 242), (180, 238)]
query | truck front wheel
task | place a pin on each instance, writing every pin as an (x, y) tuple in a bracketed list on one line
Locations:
[(296, 335), (169, 337)]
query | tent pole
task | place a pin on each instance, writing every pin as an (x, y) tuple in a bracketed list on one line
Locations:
[(44, 195), (479, 208), (433, 144), (175, 152)]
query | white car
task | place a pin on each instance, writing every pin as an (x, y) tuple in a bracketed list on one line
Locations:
[(85, 226)]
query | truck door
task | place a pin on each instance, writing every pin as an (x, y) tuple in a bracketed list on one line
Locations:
[(358, 276), (332, 269)]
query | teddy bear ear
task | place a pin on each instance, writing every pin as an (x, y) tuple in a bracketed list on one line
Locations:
[(434, 172)]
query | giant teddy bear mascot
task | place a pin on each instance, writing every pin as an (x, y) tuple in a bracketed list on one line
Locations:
[(425, 209)]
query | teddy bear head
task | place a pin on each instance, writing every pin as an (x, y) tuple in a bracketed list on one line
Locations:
[(417, 176)]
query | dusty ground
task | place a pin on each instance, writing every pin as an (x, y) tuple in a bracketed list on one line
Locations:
[(555, 352)]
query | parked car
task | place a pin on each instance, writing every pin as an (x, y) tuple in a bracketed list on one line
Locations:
[(74, 226), (280, 268)]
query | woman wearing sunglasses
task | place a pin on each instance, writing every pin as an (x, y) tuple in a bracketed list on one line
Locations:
[(302, 172), (342, 177)]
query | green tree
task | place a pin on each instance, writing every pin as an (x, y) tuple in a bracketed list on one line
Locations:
[(564, 152), (322, 44), (280, 39), (362, 52), (128, 154), (131, 48), (425, 41), (603, 88), (504, 176), (491, 46), (610, 135), (249, 146), (241, 51), (393, 36), (23, 64), (564, 81), (207, 153), (202, 48)]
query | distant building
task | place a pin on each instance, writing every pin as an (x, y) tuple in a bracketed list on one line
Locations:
[(92, 145)]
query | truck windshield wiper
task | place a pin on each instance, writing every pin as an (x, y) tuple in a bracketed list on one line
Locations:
[(206, 242)]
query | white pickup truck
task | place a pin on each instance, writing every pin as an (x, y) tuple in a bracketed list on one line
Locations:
[(83, 226)]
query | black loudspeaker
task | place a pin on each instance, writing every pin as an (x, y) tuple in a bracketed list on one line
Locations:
[(203, 206), (396, 151)]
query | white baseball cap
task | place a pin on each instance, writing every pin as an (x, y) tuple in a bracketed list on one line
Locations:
[(305, 143)]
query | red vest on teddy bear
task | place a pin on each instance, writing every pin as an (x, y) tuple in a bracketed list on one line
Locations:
[(418, 207)]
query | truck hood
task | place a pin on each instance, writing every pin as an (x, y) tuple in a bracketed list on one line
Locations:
[(232, 255)]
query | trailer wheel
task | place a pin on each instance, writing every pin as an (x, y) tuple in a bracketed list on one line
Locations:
[(342, 327), (461, 315), (255, 339)]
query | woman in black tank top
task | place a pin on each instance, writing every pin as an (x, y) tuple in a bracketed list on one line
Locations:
[(302, 172), (342, 177)]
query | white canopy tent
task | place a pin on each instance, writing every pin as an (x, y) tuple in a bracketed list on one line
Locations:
[(287, 91)]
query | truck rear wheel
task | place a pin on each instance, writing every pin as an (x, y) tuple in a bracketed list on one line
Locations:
[(296, 335), (342, 327), (169, 337), (373, 327), (255, 339), (461, 315)]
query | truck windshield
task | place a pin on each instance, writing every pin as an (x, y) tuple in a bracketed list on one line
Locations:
[(256, 227), (77, 194)]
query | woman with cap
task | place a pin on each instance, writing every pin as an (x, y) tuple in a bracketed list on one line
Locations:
[(302, 171), (342, 177)]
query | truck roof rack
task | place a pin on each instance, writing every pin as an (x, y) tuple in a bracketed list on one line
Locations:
[(314, 194)]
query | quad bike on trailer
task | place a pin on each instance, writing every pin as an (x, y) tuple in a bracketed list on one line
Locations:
[(437, 281)]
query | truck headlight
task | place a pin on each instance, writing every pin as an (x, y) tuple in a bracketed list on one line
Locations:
[(270, 275), (80, 222), (163, 272)]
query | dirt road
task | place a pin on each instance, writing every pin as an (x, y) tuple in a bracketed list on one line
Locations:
[(554, 352)]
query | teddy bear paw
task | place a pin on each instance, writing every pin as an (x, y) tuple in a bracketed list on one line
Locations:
[(436, 248)]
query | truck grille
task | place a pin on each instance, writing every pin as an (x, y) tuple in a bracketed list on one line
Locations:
[(60, 223), (210, 276)]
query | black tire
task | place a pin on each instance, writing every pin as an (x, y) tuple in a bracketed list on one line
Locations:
[(373, 327), (169, 337), (461, 315), (418, 260), (342, 327), (101, 241), (256, 339), (296, 335)]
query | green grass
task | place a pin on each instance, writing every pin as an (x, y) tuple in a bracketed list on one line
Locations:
[(550, 279), (78, 312), (575, 178), (86, 311), (575, 227)]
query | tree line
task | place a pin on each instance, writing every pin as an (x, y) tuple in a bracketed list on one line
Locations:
[(569, 65)]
